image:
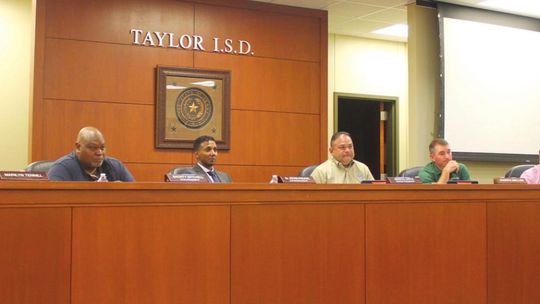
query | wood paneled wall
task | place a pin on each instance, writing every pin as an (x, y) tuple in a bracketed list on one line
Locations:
[(88, 72)]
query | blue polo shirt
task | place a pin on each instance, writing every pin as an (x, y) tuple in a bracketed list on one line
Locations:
[(68, 168)]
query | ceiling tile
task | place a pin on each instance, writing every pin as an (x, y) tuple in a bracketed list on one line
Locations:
[(383, 3), (335, 20), (351, 9), (359, 25), (389, 15), (317, 4)]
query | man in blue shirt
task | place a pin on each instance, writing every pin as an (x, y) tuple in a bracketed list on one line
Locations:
[(88, 161)]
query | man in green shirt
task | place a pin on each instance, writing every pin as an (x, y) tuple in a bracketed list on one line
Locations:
[(442, 167)]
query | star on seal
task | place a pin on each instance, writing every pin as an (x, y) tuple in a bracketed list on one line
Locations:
[(193, 108)]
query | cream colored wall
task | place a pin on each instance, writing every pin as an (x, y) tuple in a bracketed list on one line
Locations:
[(423, 81), (16, 53), (370, 67)]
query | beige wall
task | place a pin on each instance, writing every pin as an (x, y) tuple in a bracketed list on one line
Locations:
[(370, 67), (16, 52)]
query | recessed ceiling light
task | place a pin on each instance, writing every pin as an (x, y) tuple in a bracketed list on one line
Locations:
[(522, 7), (399, 30)]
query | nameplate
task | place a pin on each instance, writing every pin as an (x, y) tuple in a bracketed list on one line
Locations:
[(462, 182), (295, 180), (509, 180), (185, 178), (375, 182), (403, 180), (27, 176)]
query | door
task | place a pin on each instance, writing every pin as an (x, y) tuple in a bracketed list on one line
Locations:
[(370, 121)]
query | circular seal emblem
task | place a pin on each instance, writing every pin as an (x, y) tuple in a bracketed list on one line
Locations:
[(194, 108)]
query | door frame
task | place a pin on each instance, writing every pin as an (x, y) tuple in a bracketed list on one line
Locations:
[(392, 117)]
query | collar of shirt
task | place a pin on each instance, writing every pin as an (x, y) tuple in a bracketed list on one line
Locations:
[(340, 165), (206, 170)]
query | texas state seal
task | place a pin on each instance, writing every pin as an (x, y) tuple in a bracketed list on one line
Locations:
[(194, 108)]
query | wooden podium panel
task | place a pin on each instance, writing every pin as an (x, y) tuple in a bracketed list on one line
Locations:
[(426, 253), (514, 252), (297, 254), (151, 255), (78, 243), (35, 255)]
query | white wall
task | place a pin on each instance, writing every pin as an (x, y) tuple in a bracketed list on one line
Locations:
[(370, 67), (16, 53)]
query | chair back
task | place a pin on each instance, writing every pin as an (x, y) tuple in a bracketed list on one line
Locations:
[(39, 166), (516, 171), (182, 170), (410, 172), (306, 172)]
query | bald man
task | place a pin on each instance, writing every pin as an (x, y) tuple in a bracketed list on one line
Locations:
[(88, 161)]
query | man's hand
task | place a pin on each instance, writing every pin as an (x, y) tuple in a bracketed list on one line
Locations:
[(451, 167)]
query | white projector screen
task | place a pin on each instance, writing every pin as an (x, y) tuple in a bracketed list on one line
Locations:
[(491, 90)]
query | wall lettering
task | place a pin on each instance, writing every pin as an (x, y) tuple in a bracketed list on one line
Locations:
[(189, 42)]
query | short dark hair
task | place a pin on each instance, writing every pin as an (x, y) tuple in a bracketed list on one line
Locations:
[(437, 141), (338, 134), (199, 140)]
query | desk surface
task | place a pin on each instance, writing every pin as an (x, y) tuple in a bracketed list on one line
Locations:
[(76, 193)]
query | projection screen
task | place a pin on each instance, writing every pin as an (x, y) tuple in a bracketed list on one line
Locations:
[(490, 93)]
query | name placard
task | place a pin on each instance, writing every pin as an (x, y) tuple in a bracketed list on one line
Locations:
[(462, 182), (509, 180), (185, 178), (23, 176), (295, 180), (403, 180), (375, 182)]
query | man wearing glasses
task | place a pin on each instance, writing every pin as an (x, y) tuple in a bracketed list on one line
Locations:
[(88, 162)]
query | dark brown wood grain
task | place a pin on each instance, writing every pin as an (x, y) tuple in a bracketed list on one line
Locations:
[(151, 255), (267, 84), (289, 36), (35, 255), (513, 259), (298, 254), (426, 253), (111, 21)]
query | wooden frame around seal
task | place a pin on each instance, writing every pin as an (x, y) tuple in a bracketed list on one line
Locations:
[(191, 103)]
